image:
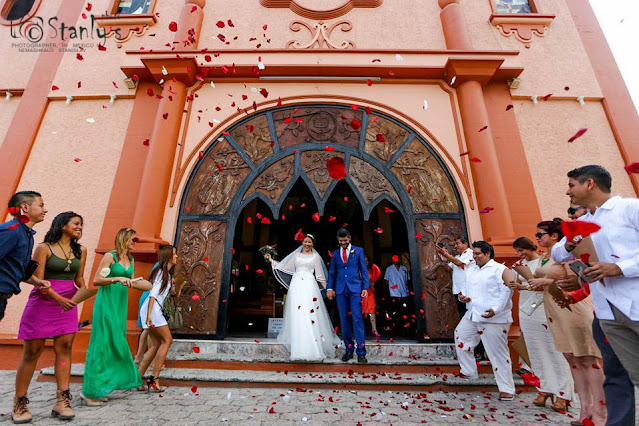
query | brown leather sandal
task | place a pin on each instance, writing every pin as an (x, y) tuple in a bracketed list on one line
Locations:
[(540, 401)]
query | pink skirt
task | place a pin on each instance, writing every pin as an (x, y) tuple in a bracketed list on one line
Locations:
[(43, 318)]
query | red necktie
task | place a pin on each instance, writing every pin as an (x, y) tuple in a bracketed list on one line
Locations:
[(344, 256)]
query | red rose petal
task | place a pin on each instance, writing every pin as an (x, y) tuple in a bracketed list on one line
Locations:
[(545, 98), (509, 107), (395, 258), (54, 88), (266, 221), (220, 24), (329, 148), (387, 210), (336, 168), (299, 235), (483, 128), (356, 124), (259, 271), (173, 26), (249, 219), (378, 230), (195, 297), (380, 137), (196, 349), (577, 135), (332, 218), (475, 160), (79, 57), (585, 257), (194, 389), (632, 168), (270, 410), (316, 217), (150, 92)]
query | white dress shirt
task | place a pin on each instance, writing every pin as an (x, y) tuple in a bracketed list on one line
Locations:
[(397, 281), (616, 242), (459, 276), (486, 289), (348, 252)]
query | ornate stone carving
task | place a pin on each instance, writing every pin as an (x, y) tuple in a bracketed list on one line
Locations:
[(312, 124), (394, 135), (213, 187), (431, 191), (272, 181), (326, 9), (200, 250), (320, 35), (439, 303), (255, 139), (370, 182), (314, 165)]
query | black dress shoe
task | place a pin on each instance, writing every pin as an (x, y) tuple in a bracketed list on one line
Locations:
[(361, 359), (346, 357)]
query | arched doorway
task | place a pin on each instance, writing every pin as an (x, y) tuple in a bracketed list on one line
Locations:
[(284, 151)]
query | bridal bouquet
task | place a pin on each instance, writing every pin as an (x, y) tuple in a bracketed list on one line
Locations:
[(272, 250)]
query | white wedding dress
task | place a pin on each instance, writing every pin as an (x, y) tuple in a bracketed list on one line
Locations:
[(307, 331)]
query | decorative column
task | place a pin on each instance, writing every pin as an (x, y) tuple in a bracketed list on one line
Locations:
[(468, 76), (454, 27), (178, 76)]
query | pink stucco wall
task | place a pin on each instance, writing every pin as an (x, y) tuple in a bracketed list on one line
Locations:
[(7, 111), (83, 187), (545, 130)]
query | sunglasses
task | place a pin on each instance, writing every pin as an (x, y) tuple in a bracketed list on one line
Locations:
[(541, 234), (572, 210)]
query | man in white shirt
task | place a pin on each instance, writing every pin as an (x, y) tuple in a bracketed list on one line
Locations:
[(488, 318), (396, 277), (616, 301), (457, 264)]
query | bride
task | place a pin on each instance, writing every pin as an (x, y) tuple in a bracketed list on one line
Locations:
[(307, 331)]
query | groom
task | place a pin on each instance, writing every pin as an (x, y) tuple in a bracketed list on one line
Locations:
[(348, 277)]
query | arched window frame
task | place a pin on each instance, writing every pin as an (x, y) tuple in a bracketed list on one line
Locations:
[(5, 5)]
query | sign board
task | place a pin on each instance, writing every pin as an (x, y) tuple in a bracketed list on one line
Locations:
[(274, 327)]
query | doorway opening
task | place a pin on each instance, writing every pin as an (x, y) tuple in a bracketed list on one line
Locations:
[(255, 295)]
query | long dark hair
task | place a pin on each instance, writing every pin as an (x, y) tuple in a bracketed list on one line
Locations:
[(55, 232), (164, 257)]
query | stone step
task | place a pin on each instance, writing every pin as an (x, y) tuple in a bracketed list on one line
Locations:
[(268, 354), (318, 379), (261, 349)]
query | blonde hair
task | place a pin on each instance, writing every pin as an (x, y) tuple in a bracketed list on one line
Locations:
[(122, 240)]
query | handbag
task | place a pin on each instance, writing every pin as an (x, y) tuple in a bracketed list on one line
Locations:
[(531, 303), (172, 313)]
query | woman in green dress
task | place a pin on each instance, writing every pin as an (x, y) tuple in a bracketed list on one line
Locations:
[(109, 364)]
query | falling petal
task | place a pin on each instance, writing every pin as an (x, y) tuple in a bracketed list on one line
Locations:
[(336, 168), (577, 135)]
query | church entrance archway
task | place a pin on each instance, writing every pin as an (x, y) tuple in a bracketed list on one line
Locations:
[(400, 200)]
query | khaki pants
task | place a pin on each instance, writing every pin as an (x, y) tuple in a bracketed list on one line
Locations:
[(623, 335)]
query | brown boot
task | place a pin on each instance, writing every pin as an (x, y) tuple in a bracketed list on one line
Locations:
[(21, 413), (62, 408)]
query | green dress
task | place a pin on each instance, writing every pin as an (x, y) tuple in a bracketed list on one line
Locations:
[(109, 364)]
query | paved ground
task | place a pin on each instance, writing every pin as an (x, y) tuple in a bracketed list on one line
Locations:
[(206, 406)]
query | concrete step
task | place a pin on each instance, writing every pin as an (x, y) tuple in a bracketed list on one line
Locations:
[(268, 354), (318, 379)]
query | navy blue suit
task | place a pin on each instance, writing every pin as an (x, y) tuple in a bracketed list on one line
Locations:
[(348, 281)]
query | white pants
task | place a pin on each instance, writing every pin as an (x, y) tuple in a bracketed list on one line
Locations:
[(495, 339)]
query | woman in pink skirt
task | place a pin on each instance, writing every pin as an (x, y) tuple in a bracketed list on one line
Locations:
[(53, 314)]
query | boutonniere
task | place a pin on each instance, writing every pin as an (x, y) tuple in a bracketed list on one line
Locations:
[(352, 251)]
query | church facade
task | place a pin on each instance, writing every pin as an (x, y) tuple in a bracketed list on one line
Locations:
[(208, 125)]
